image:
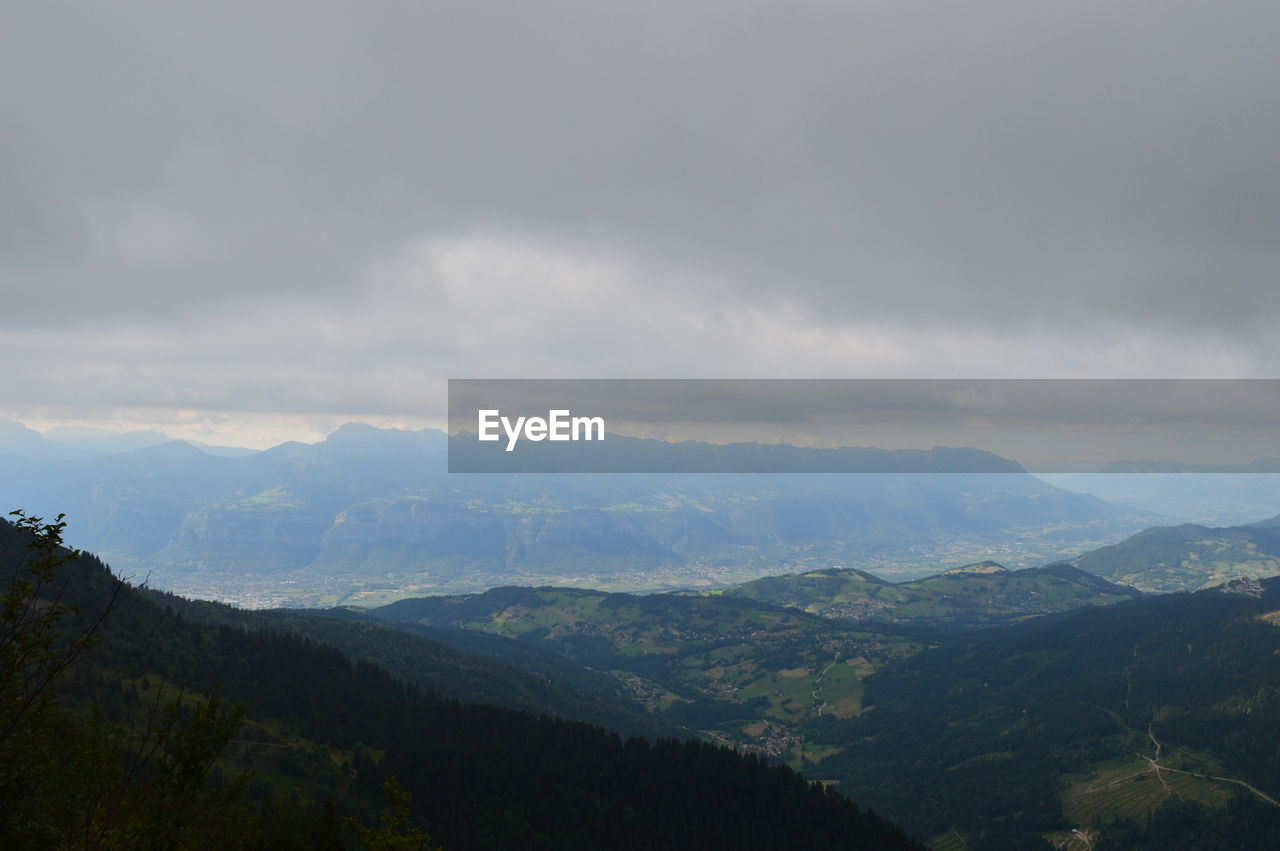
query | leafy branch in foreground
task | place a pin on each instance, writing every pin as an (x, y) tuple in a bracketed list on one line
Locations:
[(35, 648)]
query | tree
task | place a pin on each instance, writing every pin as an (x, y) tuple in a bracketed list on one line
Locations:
[(36, 649), (391, 834)]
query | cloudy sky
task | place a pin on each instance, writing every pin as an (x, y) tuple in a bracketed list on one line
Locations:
[(246, 223)]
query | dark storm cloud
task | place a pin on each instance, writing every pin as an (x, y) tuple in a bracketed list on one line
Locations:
[(323, 205)]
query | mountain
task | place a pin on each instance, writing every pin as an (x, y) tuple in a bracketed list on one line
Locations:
[(322, 730), (1188, 557), (20, 441), (982, 593), (1145, 725), (369, 515)]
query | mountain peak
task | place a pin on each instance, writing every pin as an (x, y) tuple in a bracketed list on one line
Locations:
[(355, 429), (174, 449), (861, 574), (363, 433)]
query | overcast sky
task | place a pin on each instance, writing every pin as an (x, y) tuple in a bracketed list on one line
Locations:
[(246, 223)]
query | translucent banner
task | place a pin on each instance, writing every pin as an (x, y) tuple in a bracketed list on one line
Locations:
[(864, 425)]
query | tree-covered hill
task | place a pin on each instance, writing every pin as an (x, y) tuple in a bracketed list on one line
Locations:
[(1188, 557), (979, 594), (467, 666)]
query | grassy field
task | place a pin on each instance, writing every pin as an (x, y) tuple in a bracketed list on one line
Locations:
[(1132, 790), (949, 841), (1072, 840)]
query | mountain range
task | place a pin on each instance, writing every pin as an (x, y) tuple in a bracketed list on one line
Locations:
[(371, 514)]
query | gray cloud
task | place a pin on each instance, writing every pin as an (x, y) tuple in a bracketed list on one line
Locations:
[(324, 207)]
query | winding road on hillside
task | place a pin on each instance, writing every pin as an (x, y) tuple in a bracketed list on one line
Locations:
[(1154, 765), (1157, 767), (818, 685)]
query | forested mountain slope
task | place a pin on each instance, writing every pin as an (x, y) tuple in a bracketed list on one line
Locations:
[(468, 667), (1135, 723)]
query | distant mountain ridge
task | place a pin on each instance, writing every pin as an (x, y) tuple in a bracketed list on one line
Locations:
[(18, 440), (1259, 465), (77, 442), (372, 512), (624, 454)]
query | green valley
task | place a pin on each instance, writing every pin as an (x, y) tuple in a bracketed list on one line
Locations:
[(730, 669)]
